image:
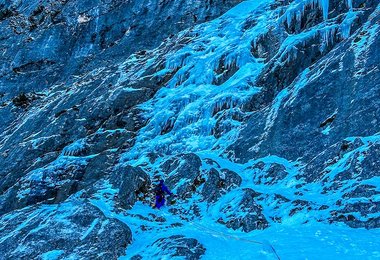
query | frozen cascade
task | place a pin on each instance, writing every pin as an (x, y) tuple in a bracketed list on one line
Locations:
[(188, 105)]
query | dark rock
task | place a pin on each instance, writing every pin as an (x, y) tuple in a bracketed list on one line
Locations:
[(224, 71), (126, 98), (253, 217), (133, 184), (268, 174), (219, 183), (71, 228), (350, 212), (52, 184), (183, 167), (21, 100)]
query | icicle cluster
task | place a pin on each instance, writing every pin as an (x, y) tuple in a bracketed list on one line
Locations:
[(297, 9)]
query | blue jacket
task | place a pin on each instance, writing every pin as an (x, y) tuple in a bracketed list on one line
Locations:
[(162, 189)]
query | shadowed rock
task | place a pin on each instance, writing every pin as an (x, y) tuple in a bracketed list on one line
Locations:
[(70, 229)]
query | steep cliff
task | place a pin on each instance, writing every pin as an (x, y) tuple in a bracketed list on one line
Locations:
[(262, 116)]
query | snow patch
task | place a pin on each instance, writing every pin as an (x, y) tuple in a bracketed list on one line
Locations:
[(52, 255)]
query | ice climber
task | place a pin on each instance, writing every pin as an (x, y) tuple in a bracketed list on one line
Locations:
[(161, 189)]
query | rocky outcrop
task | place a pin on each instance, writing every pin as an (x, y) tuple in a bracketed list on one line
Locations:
[(183, 174), (246, 214), (133, 184), (219, 183), (64, 230)]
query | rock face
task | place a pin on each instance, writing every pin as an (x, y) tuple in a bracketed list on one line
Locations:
[(252, 218), (74, 35), (257, 114), (133, 184), (219, 183), (183, 173), (63, 230)]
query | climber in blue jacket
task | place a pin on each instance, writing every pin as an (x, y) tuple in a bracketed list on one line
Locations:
[(161, 190)]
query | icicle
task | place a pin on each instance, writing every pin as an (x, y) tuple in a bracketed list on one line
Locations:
[(289, 18), (349, 3), (345, 29), (345, 26), (324, 4), (326, 37)]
